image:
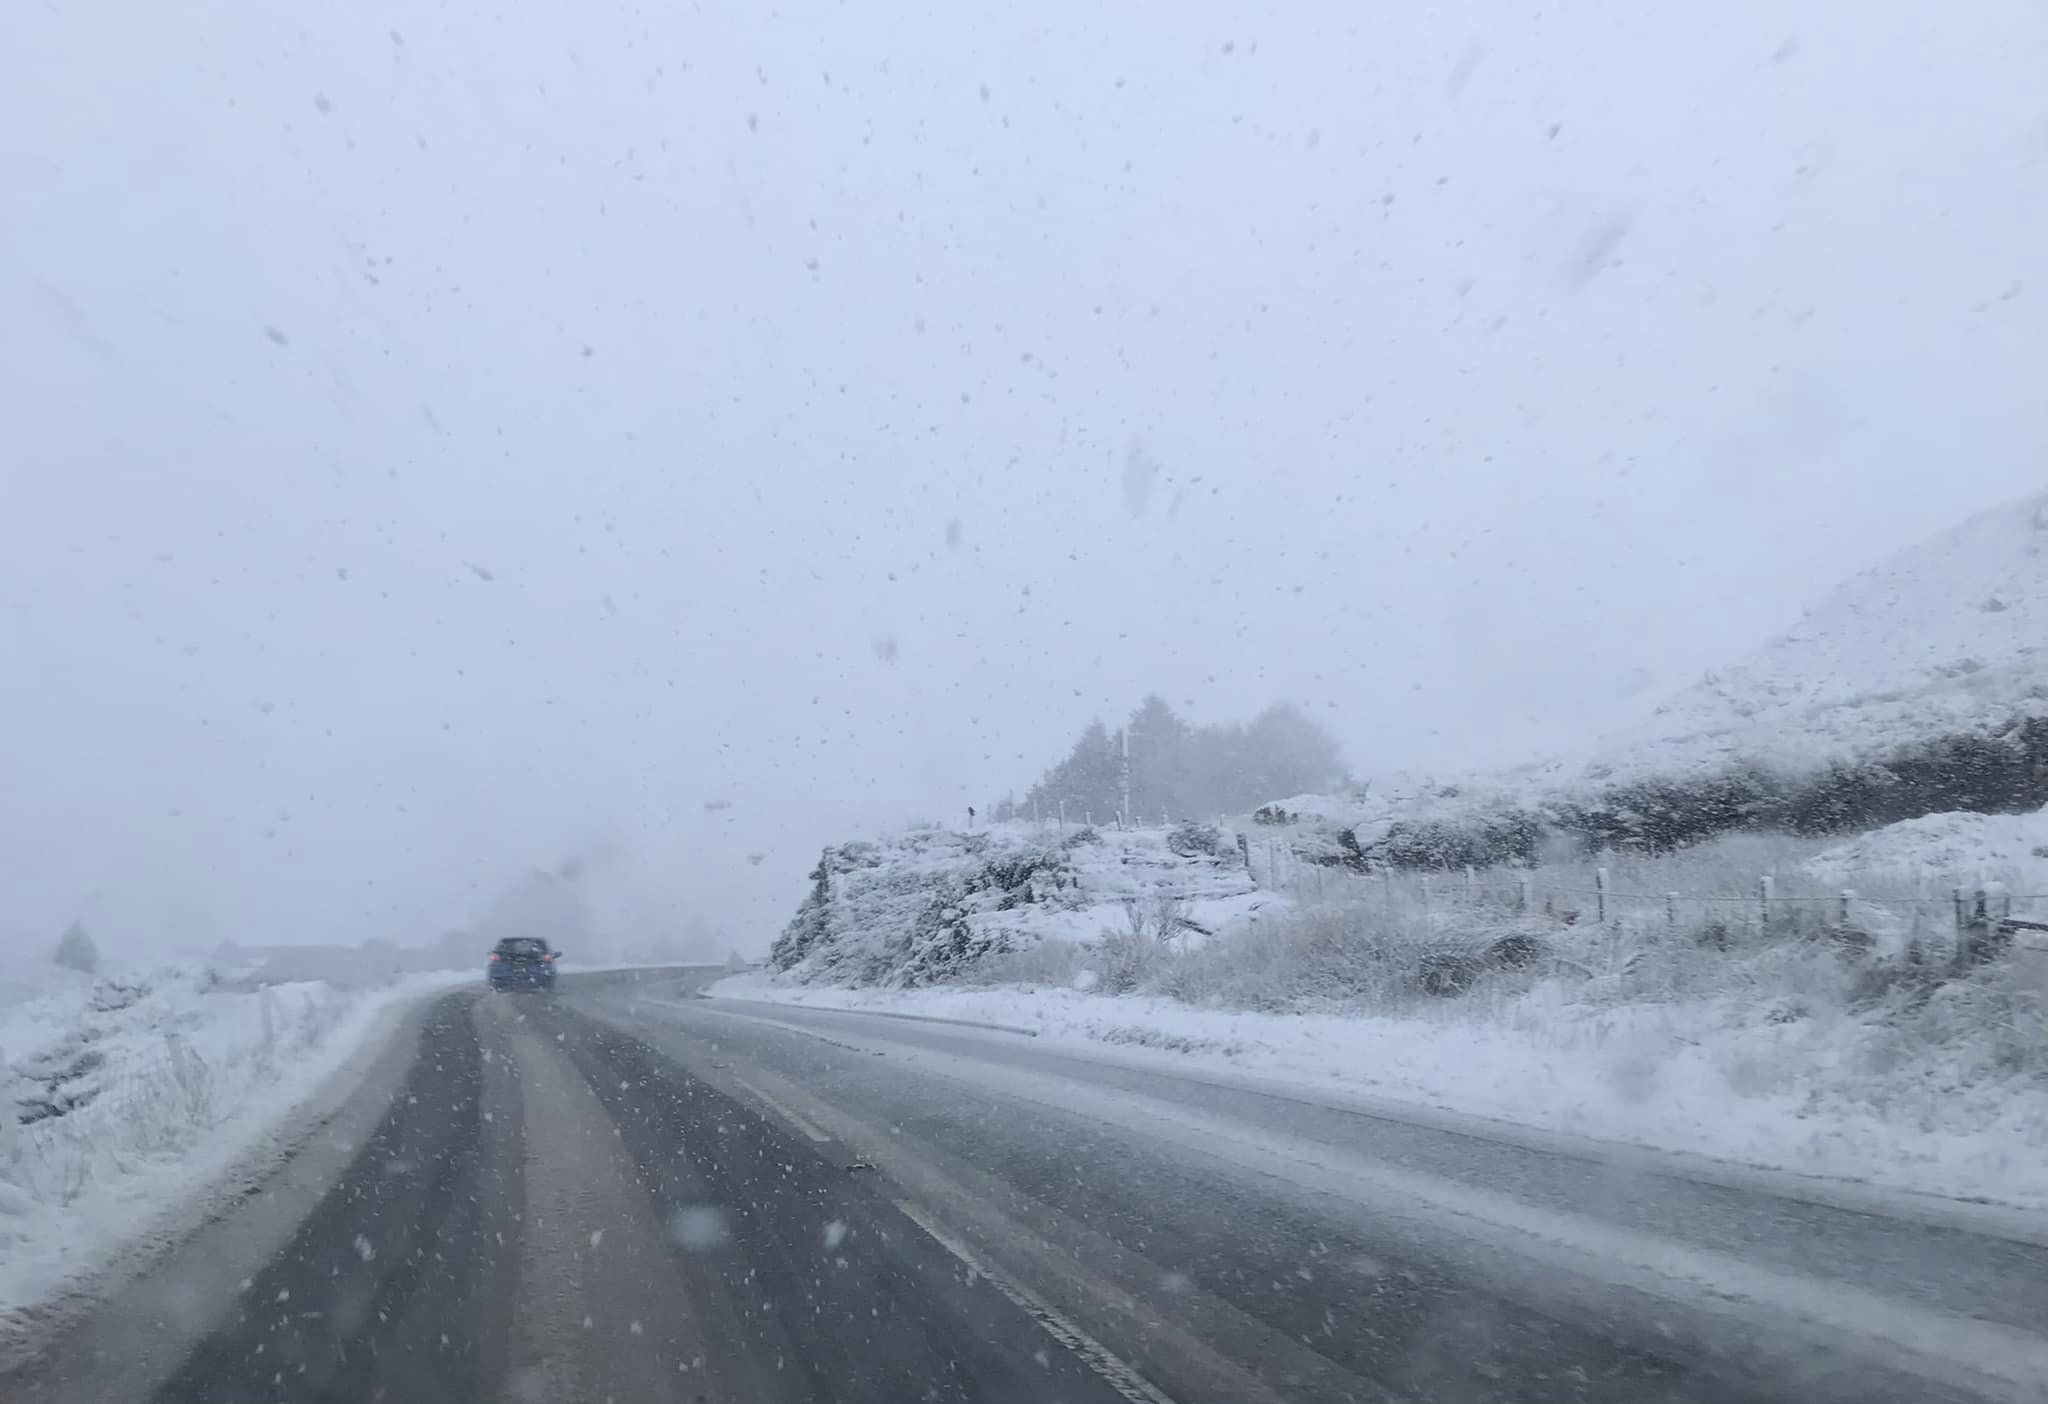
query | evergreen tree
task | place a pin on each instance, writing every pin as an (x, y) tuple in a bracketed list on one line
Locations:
[(1088, 780), (1161, 747), (76, 951), (1186, 771)]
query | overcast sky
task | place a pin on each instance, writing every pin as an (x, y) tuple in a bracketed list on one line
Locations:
[(438, 443)]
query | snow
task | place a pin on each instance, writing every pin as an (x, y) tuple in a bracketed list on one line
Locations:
[(1946, 850), (1801, 1086), (127, 1095)]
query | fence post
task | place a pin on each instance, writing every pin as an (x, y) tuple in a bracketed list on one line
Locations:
[(1600, 892), (1843, 911), (1244, 851), (1764, 885), (1522, 894), (1471, 884), (1063, 816), (1425, 901), (1671, 910), (1962, 956)]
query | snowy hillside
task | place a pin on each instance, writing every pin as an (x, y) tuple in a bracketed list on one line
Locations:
[(1918, 687), (912, 907), (1948, 635)]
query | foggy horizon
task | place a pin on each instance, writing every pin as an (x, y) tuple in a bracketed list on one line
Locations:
[(670, 441)]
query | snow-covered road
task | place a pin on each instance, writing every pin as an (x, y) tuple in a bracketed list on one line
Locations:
[(1705, 1078), (631, 1190)]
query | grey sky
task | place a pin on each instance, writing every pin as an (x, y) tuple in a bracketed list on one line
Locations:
[(438, 443)]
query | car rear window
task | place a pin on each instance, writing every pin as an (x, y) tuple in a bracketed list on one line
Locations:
[(521, 946)]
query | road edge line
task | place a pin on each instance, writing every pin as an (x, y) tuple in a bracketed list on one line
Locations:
[(802, 1123), (1018, 1029), (1115, 1371)]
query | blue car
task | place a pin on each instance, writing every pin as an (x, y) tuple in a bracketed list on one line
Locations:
[(522, 962)]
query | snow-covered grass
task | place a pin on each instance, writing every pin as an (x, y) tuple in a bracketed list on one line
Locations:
[(123, 1094)]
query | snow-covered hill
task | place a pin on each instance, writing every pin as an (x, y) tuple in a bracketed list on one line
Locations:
[(1917, 687), (1948, 635)]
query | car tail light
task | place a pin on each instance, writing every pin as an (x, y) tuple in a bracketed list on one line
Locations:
[(494, 955), (549, 956)]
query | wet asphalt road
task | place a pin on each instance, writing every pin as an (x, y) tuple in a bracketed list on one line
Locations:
[(623, 1192)]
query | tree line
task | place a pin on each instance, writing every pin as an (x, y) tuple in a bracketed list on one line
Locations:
[(1183, 771)]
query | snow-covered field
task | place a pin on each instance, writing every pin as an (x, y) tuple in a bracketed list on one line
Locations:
[(124, 1096), (1798, 1082)]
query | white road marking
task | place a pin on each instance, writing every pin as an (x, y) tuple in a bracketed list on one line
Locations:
[(799, 1122), (1116, 1372)]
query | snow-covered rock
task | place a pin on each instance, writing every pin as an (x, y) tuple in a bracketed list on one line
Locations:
[(916, 906)]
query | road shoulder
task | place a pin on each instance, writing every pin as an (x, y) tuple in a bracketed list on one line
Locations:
[(117, 1333)]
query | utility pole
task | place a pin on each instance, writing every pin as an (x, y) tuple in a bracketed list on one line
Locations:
[(1124, 777)]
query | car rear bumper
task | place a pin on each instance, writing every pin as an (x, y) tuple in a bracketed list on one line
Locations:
[(523, 979)]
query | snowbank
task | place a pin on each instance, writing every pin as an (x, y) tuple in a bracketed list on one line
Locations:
[(1795, 1082), (123, 1094)]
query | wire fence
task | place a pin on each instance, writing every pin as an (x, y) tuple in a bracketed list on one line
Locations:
[(1274, 865)]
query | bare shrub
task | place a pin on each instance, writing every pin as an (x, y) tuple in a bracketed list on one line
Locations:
[(1126, 959), (1047, 963)]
